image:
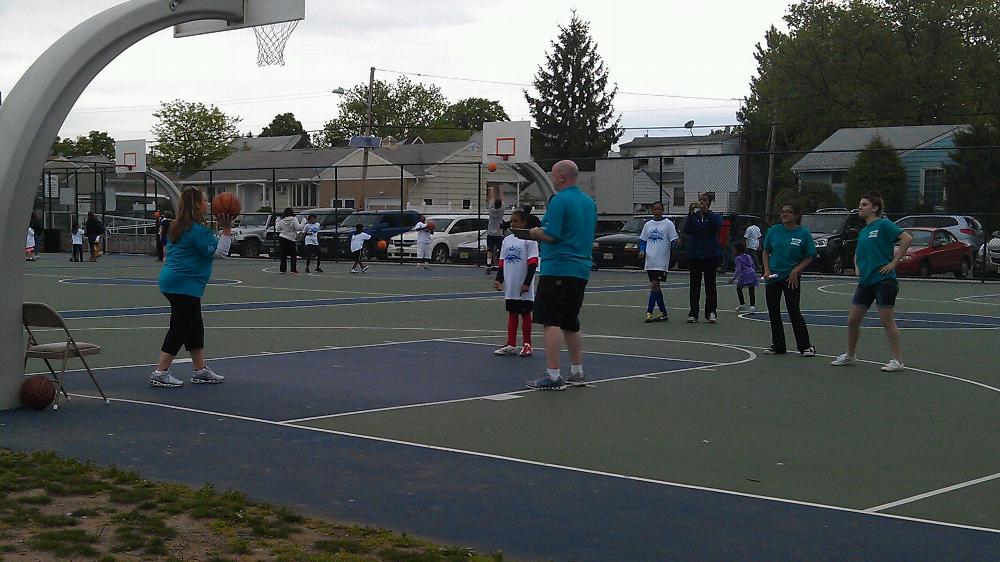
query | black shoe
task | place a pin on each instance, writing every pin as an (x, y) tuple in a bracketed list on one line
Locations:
[(318, 270), (772, 351)]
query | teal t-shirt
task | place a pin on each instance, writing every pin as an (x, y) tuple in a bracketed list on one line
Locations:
[(876, 244), (786, 248), (188, 264), (571, 219)]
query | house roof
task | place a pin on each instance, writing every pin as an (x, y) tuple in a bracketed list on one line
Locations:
[(852, 140), (262, 144), (676, 141)]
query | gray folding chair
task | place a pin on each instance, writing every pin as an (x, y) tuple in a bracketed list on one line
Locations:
[(38, 315)]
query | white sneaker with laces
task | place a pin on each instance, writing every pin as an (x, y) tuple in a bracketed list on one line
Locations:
[(164, 379), (893, 365), (507, 350), (711, 318), (809, 352), (753, 310), (206, 376), (842, 359)]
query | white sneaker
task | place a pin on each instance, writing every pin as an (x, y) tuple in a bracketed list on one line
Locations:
[(206, 376), (842, 359), (893, 366), (809, 352), (740, 308), (354, 270), (364, 268), (753, 310), (711, 318), (164, 379), (507, 350)]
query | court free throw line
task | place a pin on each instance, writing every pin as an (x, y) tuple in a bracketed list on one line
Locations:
[(932, 493)]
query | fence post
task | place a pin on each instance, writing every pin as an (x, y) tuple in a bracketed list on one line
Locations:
[(401, 214), (479, 208), (336, 197)]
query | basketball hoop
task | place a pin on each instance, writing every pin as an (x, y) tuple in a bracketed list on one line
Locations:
[(271, 41)]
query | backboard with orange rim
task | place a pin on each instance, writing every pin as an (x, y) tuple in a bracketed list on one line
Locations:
[(130, 156), (507, 141)]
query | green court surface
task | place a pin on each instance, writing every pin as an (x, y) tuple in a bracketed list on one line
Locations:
[(919, 444)]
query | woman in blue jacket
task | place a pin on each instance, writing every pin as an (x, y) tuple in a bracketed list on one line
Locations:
[(191, 249), (703, 255)]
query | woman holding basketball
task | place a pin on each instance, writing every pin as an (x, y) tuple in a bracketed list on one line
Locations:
[(875, 261), (191, 249)]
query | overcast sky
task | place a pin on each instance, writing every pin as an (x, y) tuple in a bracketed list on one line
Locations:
[(654, 49)]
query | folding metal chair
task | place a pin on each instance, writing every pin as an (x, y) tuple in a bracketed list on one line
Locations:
[(38, 315)]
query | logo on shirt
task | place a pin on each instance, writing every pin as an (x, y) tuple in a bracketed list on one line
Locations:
[(513, 255), (796, 241), (655, 236), (873, 234)]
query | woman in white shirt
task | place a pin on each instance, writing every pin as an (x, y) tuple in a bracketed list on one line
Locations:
[(288, 227)]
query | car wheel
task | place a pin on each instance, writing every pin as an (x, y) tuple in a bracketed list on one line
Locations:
[(837, 264), (925, 269), (963, 269), (440, 253), (251, 249)]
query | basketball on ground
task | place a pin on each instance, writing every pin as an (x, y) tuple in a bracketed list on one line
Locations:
[(225, 203), (38, 392)]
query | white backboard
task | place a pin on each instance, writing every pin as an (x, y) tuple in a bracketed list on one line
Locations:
[(507, 138), (130, 156), (255, 12)]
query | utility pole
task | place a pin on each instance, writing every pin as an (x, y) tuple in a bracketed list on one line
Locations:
[(768, 198), (368, 133)]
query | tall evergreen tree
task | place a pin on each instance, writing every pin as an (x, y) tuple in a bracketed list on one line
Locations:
[(878, 168), (282, 125), (573, 110)]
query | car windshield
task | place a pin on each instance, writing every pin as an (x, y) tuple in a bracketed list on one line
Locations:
[(253, 220), (366, 221), (440, 224), (634, 225), (824, 224), (920, 237)]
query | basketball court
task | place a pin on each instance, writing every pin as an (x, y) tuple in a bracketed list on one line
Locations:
[(376, 399)]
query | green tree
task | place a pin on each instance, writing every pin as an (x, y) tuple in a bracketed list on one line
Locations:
[(464, 117), (402, 109), (784, 197), (878, 168), (190, 136), (283, 125), (96, 143), (972, 178), (573, 109), (816, 195)]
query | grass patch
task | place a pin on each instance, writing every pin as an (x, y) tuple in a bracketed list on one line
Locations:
[(65, 542)]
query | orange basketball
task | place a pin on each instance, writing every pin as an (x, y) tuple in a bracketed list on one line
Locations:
[(382, 244), (492, 166), (225, 203), (38, 392)]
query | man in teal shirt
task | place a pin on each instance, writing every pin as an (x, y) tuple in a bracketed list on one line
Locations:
[(566, 238)]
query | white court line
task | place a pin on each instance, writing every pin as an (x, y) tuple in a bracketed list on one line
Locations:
[(963, 301), (530, 462), (932, 493), (825, 289), (585, 352), (843, 316)]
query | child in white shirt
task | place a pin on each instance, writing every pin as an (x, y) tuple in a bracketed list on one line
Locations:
[(358, 240), (29, 245), (311, 232), (515, 277), (77, 237), (654, 245), (424, 231)]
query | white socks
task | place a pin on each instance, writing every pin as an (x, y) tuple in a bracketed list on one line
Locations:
[(576, 369), (553, 374)]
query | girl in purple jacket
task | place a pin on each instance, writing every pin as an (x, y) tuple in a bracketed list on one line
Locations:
[(745, 276)]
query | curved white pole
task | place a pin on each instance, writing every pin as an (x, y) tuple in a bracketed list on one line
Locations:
[(30, 119)]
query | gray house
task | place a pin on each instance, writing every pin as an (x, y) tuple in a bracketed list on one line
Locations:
[(923, 151)]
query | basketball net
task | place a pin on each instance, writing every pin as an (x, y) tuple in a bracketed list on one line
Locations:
[(271, 41)]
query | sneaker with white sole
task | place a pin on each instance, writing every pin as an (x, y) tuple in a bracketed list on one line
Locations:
[(843, 359), (692, 320), (753, 310), (164, 379), (578, 379), (809, 351), (892, 366), (206, 376), (506, 350), (525, 350), (740, 308), (364, 269), (711, 318), (772, 351), (661, 318), (545, 383), (649, 318)]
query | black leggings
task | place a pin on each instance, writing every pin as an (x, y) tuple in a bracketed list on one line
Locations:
[(773, 294), (310, 252), (186, 326), (753, 297), (287, 249), (698, 269)]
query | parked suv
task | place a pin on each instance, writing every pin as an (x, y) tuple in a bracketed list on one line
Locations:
[(449, 232), (836, 235), (326, 218), (965, 228), (250, 233), (622, 248), (381, 225)]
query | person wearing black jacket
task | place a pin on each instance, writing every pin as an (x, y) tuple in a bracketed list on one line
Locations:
[(703, 253), (94, 229)]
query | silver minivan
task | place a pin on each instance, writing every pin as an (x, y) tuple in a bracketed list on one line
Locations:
[(965, 228)]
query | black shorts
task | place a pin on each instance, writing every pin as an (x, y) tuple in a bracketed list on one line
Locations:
[(558, 301), (356, 254), (884, 293), (493, 243), (655, 275), (517, 306)]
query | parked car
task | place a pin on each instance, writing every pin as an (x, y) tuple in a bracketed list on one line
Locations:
[(250, 232), (965, 228), (835, 233), (326, 217), (473, 251), (381, 225), (989, 255), (450, 231), (622, 248), (608, 226), (935, 250)]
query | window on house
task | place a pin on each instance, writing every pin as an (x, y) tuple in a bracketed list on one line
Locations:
[(303, 195), (466, 203), (932, 187), (428, 201), (342, 203), (668, 161), (679, 196), (836, 178)]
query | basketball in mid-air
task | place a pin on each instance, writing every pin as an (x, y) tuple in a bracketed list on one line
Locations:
[(492, 166), (226, 203), (38, 392), (382, 244)]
